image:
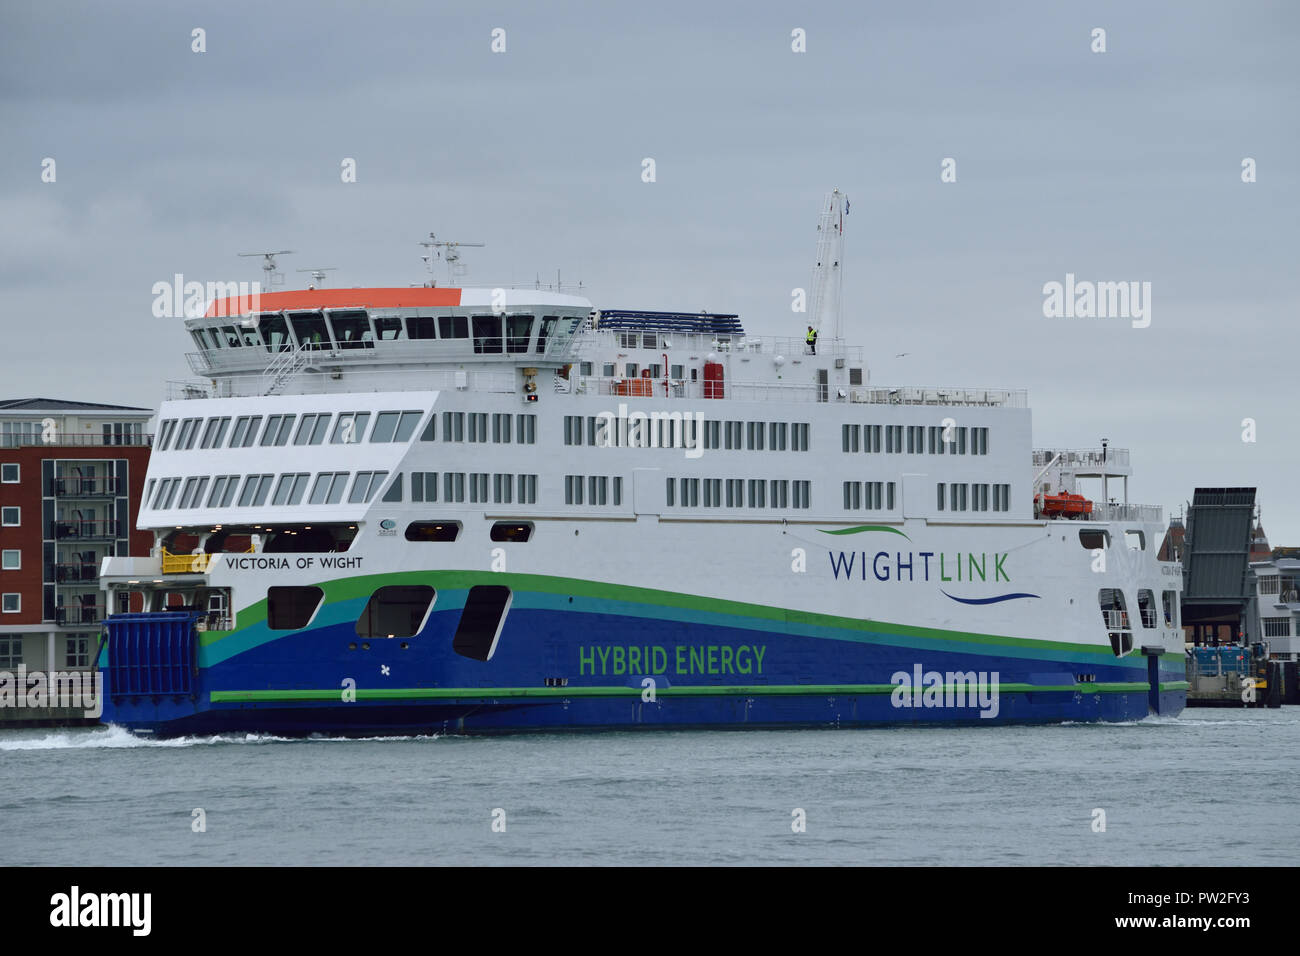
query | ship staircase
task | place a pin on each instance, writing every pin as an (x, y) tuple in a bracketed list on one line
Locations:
[(283, 367)]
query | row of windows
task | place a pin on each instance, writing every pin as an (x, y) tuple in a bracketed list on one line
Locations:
[(869, 495), (599, 490), (399, 611), (505, 488), (674, 430), (76, 646), (959, 496), (219, 491), (738, 493), (279, 430), (915, 439), (473, 426), (358, 330), (756, 436)]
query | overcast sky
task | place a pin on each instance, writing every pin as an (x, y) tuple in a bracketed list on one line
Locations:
[(1117, 166)]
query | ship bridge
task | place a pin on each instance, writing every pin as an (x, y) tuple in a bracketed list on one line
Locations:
[(339, 340)]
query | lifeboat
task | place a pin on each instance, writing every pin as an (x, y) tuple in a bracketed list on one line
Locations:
[(1064, 505)]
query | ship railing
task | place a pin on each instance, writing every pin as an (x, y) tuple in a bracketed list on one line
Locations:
[(1118, 512), (1116, 619), (318, 381), (1082, 457), (939, 395), (596, 341), (192, 563)]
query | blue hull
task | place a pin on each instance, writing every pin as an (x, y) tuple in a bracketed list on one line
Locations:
[(587, 668)]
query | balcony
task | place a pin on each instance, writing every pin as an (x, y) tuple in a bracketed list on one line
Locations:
[(89, 487), (76, 529), (61, 440), (72, 573), (79, 614)]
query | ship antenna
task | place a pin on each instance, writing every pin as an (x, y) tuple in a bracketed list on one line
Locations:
[(448, 251), (828, 270), (318, 275), (273, 277)]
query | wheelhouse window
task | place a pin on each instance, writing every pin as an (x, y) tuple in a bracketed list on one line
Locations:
[(352, 330), (388, 329), (275, 332), (544, 332), (310, 330), (487, 333), (518, 331), (421, 327), (453, 326)]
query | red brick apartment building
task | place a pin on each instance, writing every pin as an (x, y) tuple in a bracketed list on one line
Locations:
[(71, 479)]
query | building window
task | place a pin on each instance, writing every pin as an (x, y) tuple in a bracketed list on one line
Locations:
[(11, 517), (1270, 584), (11, 652), (11, 560), (9, 474), (11, 603), (77, 651), (1276, 626), (291, 608)]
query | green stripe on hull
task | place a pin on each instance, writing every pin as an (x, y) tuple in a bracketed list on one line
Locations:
[(759, 690), (628, 599)]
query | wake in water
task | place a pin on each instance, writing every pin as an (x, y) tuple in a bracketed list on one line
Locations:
[(113, 737)]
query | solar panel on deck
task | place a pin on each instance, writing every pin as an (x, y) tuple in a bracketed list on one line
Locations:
[(709, 323)]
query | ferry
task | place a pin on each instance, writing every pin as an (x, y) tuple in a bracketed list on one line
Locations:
[(457, 510)]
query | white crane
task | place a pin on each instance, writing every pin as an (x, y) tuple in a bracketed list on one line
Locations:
[(829, 269)]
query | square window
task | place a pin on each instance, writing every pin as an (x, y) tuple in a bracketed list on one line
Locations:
[(11, 603), (11, 560), (11, 517), (9, 474)]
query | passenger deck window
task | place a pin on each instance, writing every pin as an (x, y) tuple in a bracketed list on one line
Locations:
[(481, 622), (245, 433), (256, 488), (277, 430), (291, 608), (223, 491), (398, 610), (215, 432), (350, 428), (328, 489), (366, 484), (394, 426), (290, 489), (312, 428)]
